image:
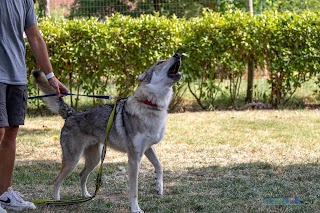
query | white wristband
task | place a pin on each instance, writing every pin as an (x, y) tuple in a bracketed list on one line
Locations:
[(50, 75)]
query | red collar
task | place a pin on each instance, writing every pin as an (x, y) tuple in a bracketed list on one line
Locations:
[(149, 103)]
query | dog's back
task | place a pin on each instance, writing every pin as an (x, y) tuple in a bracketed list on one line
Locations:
[(131, 118)]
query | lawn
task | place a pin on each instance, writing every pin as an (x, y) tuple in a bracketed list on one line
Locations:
[(220, 161)]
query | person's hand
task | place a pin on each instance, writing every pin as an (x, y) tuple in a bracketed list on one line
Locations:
[(58, 86)]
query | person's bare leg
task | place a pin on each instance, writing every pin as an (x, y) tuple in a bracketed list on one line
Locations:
[(8, 137)]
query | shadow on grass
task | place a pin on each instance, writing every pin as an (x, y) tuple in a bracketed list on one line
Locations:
[(234, 188), (243, 187)]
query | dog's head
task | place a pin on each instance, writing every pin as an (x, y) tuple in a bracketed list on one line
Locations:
[(163, 73)]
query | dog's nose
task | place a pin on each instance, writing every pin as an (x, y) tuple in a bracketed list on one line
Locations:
[(177, 55)]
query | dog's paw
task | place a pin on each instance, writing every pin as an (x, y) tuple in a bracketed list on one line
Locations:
[(136, 209), (86, 195), (159, 181), (159, 187)]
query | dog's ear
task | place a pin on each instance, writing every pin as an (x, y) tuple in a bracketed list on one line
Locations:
[(146, 76), (141, 77)]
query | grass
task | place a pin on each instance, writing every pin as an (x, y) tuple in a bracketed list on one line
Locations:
[(221, 161)]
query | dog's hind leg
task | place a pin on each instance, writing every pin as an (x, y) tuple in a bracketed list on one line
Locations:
[(152, 156), (134, 160), (67, 167), (92, 156)]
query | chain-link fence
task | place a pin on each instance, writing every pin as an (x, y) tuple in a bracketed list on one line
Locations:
[(101, 8), (181, 8)]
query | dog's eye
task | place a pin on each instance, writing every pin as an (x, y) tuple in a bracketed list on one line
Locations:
[(159, 62)]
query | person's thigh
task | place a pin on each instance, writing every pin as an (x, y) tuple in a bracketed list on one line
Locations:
[(16, 104), (3, 105)]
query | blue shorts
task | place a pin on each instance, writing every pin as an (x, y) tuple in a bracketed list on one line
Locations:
[(13, 104)]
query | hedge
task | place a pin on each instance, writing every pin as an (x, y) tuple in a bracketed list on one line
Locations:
[(90, 55)]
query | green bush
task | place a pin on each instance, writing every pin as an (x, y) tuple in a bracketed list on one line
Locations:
[(89, 55), (219, 47), (291, 50)]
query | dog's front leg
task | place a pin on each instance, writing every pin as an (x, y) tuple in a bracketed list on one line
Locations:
[(133, 172), (152, 156)]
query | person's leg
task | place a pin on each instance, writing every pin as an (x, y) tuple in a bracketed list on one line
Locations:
[(12, 115), (1, 160), (7, 156), (3, 124)]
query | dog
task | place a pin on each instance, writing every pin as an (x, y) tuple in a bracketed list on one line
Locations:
[(138, 124)]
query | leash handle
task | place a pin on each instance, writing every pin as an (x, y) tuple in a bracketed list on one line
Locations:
[(41, 96), (63, 202), (71, 94)]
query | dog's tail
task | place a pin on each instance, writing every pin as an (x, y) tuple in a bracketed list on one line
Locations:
[(54, 103)]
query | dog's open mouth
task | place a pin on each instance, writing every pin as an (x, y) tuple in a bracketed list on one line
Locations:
[(173, 71)]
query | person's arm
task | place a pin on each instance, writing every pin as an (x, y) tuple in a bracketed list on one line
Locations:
[(40, 52)]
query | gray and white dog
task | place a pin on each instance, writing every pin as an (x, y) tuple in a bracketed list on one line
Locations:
[(138, 124)]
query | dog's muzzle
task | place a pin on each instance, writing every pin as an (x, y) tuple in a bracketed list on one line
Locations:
[(173, 70)]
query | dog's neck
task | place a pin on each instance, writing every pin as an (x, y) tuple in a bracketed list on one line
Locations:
[(147, 102), (157, 100), (150, 104)]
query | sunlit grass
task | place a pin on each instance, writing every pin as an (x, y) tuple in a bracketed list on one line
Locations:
[(222, 161)]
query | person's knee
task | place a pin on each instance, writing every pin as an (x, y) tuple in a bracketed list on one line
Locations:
[(9, 136), (12, 131), (2, 131)]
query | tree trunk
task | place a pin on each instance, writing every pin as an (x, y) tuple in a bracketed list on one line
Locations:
[(250, 6), (250, 65), (46, 8), (250, 69)]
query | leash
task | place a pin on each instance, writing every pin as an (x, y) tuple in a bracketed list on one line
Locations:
[(71, 94), (99, 175)]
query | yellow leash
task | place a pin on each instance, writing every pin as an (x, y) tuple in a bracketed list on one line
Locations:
[(99, 175)]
